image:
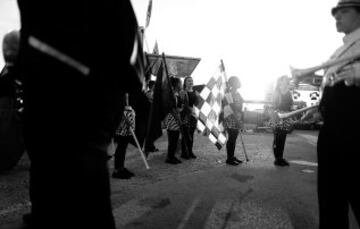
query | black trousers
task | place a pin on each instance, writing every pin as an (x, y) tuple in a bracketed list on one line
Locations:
[(173, 139), (338, 168), (69, 184), (67, 130), (231, 143), (187, 140), (120, 152), (279, 143)]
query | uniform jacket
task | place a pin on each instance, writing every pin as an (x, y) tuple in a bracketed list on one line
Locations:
[(71, 79), (339, 104)]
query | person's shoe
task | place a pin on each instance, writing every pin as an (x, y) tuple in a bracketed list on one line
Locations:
[(285, 162), (125, 170), (237, 160), (122, 174), (173, 160), (193, 156), (185, 157), (281, 162), (278, 162), (232, 162)]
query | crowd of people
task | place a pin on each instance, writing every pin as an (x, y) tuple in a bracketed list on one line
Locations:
[(78, 97)]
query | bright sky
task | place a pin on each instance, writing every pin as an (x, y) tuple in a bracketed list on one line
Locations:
[(9, 20), (258, 40)]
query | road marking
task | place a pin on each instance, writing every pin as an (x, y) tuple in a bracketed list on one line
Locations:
[(309, 138), (188, 213), (300, 162), (129, 211), (308, 171)]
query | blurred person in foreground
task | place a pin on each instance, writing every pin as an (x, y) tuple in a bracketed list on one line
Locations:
[(72, 90), (338, 142)]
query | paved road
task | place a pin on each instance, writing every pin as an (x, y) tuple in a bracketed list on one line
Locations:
[(205, 192)]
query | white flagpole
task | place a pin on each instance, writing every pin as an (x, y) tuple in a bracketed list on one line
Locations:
[(134, 136)]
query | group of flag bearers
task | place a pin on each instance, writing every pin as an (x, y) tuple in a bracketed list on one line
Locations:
[(180, 109)]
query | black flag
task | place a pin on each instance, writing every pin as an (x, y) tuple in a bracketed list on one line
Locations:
[(163, 103)]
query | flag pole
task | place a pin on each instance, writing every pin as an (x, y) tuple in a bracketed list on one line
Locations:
[(243, 145), (223, 69), (147, 22), (134, 136)]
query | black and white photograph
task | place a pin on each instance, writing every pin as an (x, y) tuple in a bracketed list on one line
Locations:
[(179, 114)]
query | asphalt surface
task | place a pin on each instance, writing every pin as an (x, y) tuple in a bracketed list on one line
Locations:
[(204, 192)]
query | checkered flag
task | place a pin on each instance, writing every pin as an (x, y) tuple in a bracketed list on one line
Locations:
[(209, 108)]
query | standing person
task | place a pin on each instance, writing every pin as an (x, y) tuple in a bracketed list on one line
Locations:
[(72, 90), (282, 102), (233, 121), (172, 122), (190, 98), (123, 137), (338, 142), (11, 139)]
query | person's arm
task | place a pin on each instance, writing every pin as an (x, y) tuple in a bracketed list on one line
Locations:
[(351, 74)]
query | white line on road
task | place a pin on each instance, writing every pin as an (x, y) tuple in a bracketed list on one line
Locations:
[(308, 171), (309, 138), (188, 213), (300, 162)]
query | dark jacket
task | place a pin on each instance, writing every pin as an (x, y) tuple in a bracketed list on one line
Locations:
[(59, 97)]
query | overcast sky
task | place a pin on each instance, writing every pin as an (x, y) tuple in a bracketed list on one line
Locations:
[(258, 40)]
